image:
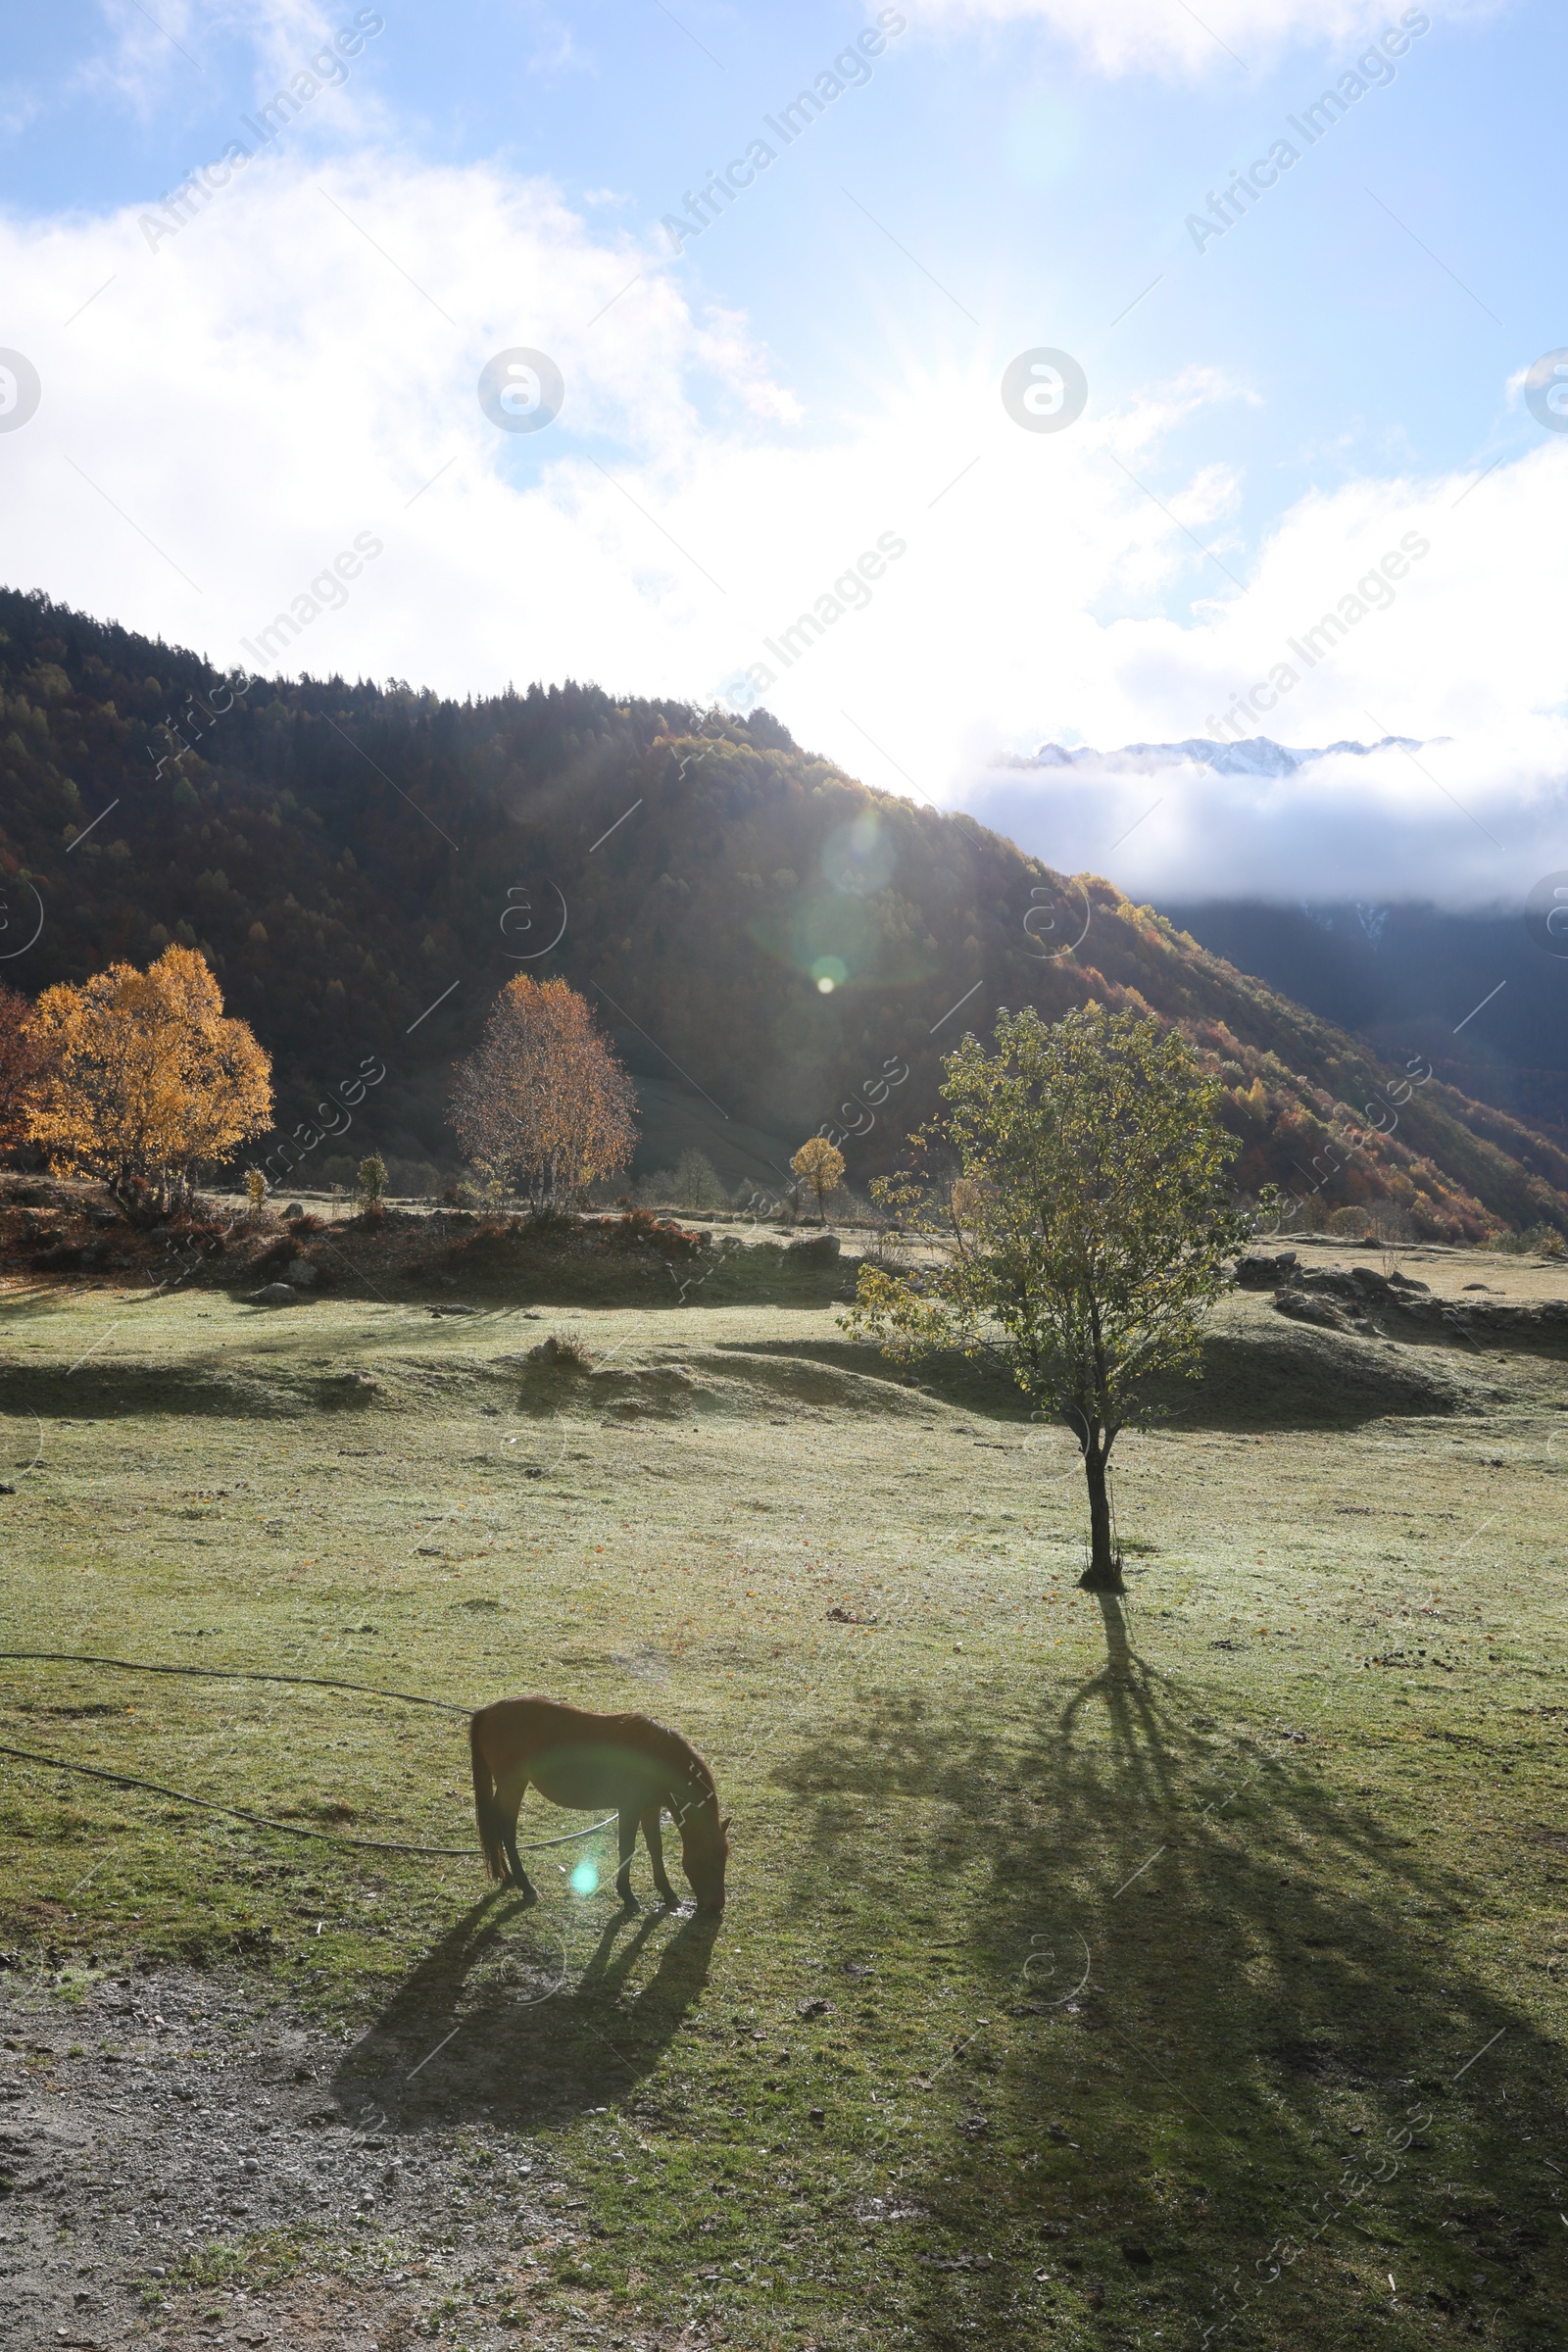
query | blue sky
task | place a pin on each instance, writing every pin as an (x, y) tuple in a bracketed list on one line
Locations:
[(293, 363)]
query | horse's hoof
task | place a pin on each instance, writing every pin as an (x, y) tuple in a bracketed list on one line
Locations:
[(629, 1902)]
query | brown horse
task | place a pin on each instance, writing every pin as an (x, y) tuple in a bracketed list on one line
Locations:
[(592, 1761)]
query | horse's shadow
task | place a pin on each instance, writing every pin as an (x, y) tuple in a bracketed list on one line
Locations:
[(499, 2021)]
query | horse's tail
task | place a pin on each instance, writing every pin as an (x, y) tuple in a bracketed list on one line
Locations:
[(485, 1810)]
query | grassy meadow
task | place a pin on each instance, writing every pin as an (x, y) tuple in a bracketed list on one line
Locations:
[(1186, 1971)]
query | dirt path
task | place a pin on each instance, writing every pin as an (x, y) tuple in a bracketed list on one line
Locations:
[(174, 2167)]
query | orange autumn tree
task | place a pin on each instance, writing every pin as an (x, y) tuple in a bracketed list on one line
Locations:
[(820, 1165), (146, 1081), (21, 1067), (543, 1107)]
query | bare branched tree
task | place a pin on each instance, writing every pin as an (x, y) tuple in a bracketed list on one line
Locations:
[(544, 1106)]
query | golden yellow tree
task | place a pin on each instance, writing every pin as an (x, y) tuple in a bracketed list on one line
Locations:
[(21, 1067), (820, 1166), (543, 1106), (146, 1079)]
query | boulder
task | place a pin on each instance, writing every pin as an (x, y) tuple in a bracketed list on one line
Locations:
[(1362, 1285), (1261, 1271), (818, 1250), (1371, 1284), (1303, 1307), (300, 1274)]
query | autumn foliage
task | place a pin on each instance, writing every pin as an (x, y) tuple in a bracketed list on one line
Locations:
[(544, 1106), (20, 1065), (819, 1164), (145, 1082), (275, 846)]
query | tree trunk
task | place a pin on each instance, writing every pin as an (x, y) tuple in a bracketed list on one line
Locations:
[(1103, 1572)]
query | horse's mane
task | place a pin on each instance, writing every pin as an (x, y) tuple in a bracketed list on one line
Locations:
[(671, 1749)]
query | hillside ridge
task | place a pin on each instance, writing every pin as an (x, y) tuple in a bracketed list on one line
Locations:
[(777, 947)]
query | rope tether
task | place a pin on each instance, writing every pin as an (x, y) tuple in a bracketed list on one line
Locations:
[(289, 1829), (234, 1674)]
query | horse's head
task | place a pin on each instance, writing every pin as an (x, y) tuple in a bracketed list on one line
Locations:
[(703, 1852)]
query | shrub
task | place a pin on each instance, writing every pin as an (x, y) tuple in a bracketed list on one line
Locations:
[(562, 1355), (1543, 1240), (1390, 1225), (639, 1226), (416, 1179), (204, 1233)]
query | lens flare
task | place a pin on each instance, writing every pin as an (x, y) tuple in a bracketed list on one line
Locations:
[(584, 1879), (829, 972), (858, 859)]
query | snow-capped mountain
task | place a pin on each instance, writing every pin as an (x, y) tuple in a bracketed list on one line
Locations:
[(1201, 818), (1254, 756)]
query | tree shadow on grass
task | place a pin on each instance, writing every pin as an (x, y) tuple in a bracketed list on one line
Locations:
[(1232, 2078), (497, 2021)]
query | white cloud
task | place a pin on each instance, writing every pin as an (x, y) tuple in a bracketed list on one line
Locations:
[(1465, 654), (149, 55), (299, 357), (1470, 823), (299, 364), (1167, 37)]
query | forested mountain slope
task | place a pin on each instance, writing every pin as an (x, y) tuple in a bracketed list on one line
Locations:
[(773, 945)]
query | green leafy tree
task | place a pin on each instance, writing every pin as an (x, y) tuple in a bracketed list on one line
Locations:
[(1084, 1212), (372, 1174), (696, 1184)]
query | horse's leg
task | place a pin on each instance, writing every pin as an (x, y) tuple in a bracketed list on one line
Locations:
[(655, 1856), (509, 1800), (628, 1847)]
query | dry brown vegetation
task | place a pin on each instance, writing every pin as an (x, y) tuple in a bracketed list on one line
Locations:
[(543, 1106)]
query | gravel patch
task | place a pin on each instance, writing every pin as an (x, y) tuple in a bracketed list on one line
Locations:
[(182, 2165)]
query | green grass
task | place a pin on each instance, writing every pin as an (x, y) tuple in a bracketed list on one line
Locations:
[(1141, 1933)]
